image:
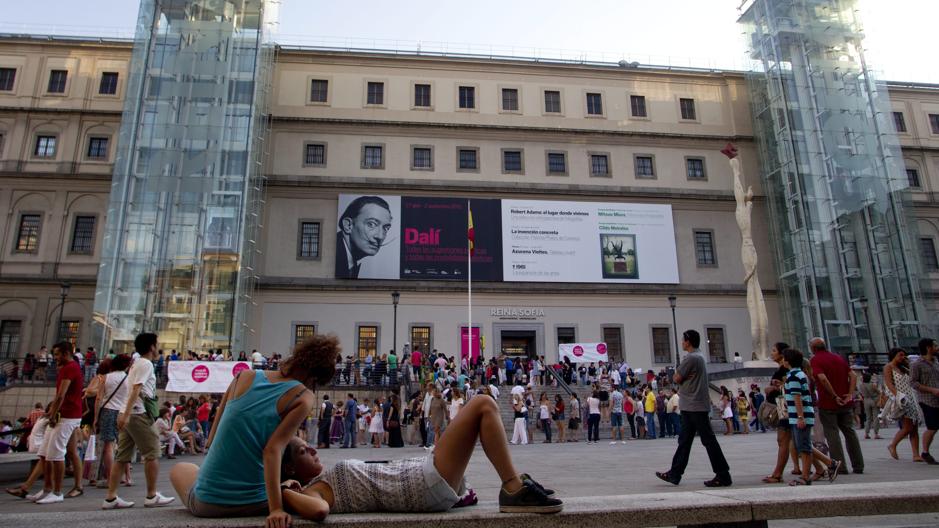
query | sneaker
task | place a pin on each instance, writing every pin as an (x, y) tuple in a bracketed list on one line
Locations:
[(664, 475), (528, 499), (546, 491), (623, 442), (157, 500), (116, 504), (51, 498), (718, 482), (613, 442), (928, 458), (36, 496)]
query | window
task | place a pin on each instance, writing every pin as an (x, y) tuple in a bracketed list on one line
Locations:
[(83, 234), (510, 99), (934, 123), (302, 332), (913, 176), (108, 84), (594, 104), (315, 154), (368, 341), (599, 164), (645, 167), (637, 106), (695, 168), (422, 158), (27, 236), (45, 147), (687, 109), (613, 337), (57, 80), (319, 90), (309, 243), (704, 248), (511, 161), (10, 338), (467, 97), (717, 351), (899, 122), (566, 335), (928, 252), (372, 157), (661, 344), (557, 163), (552, 102), (422, 95), (68, 331), (240, 92), (467, 159), (375, 93), (7, 78), (420, 339), (98, 148)]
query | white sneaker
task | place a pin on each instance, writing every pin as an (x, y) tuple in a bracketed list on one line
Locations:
[(36, 496), (157, 500), (116, 504), (623, 442), (613, 442), (51, 498)]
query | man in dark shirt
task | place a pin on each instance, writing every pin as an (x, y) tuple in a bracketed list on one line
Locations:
[(835, 383)]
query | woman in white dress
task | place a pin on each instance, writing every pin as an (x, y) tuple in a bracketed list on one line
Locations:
[(376, 427), (520, 432), (456, 403), (897, 381)]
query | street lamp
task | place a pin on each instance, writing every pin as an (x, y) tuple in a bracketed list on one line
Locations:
[(63, 293), (395, 296), (672, 301)]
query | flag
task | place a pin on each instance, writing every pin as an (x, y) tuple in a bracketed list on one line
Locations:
[(470, 233)]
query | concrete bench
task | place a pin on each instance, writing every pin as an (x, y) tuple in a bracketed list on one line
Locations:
[(13, 458), (730, 508)]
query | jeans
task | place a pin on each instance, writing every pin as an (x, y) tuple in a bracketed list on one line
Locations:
[(650, 425), (842, 420), (667, 424), (873, 417), (348, 437), (698, 422), (757, 425), (675, 421), (663, 424), (323, 432), (546, 429), (593, 427), (632, 425)]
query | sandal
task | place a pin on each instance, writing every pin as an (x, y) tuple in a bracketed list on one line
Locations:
[(795, 472), (800, 482), (470, 499), (18, 492), (770, 479), (75, 492), (818, 476)]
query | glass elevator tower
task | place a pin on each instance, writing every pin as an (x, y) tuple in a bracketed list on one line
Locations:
[(833, 178), (186, 192)]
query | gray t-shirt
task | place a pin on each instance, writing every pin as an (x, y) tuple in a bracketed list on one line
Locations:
[(617, 402), (693, 391)]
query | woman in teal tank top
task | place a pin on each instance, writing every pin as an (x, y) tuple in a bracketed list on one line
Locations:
[(259, 414)]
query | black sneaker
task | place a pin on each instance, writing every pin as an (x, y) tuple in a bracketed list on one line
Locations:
[(928, 459), (548, 492), (528, 499), (718, 482), (667, 477)]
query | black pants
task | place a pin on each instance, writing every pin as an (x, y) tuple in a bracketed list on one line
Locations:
[(698, 422), (632, 424), (593, 427), (424, 424), (323, 432)]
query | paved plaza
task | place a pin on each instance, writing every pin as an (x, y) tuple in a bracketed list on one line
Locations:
[(575, 470)]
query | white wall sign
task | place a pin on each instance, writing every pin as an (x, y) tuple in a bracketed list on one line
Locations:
[(583, 352), (203, 376)]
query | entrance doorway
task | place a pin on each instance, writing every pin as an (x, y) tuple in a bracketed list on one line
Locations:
[(519, 343)]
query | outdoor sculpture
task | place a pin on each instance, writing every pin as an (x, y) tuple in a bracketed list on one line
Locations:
[(755, 303)]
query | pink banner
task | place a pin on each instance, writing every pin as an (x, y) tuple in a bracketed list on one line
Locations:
[(464, 348)]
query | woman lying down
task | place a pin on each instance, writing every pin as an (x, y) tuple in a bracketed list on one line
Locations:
[(433, 483)]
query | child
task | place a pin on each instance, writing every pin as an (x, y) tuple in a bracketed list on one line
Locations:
[(376, 426), (801, 412)]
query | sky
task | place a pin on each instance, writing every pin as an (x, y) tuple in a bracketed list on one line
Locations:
[(700, 33)]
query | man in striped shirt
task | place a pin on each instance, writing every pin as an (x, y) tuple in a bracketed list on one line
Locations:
[(801, 411)]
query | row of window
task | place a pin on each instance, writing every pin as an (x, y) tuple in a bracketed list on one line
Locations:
[(663, 351), (513, 161), (46, 146), (58, 80), (508, 102), (899, 123), (11, 331), (309, 243), (82, 241)]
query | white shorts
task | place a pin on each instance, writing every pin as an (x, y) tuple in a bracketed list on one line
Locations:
[(56, 439)]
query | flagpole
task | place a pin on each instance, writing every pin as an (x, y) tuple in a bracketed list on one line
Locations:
[(469, 290)]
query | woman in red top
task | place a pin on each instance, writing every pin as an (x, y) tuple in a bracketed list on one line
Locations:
[(202, 414)]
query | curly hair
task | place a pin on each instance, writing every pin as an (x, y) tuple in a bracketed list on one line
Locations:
[(313, 360)]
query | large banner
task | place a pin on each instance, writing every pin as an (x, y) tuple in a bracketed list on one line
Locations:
[(425, 238), (203, 376), (583, 352)]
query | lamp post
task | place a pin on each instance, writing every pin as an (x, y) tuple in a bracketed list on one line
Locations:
[(63, 293), (395, 296), (672, 302)]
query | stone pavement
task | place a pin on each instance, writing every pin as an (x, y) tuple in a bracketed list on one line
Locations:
[(573, 469)]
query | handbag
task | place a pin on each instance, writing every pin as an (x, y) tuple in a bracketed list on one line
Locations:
[(151, 407)]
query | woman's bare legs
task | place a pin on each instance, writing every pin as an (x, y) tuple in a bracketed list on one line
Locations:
[(183, 477), (782, 452), (479, 419), (908, 429)]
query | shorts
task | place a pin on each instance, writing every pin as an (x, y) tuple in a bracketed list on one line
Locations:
[(107, 425), (137, 433), (560, 416), (616, 420), (640, 421), (438, 495), (930, 417), (206, 509), (802, 438), (55, 441), (604, 396)]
